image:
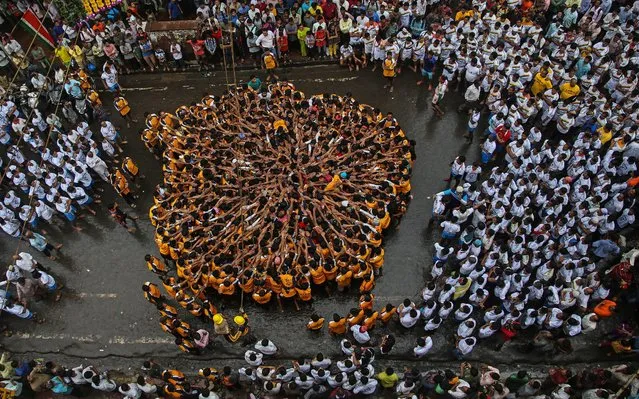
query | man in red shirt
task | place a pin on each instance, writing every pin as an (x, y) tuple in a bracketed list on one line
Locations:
[(198, 50), (503, 134), (329, 9)]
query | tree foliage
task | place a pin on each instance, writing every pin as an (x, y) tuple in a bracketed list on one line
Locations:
[(70, 10)]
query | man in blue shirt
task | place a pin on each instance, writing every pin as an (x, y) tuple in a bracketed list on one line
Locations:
[(605, 247), (175, 11), (72, 87), (244, 9), (427, 69), (306, 5)]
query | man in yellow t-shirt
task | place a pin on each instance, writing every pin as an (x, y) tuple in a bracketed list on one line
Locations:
[(131, 169), (569, 90), (388, 378), (541, 83), (388, 70), (605, 133), (77, 53), (270, 63), (462, 14), (122, 105), (62, 52)]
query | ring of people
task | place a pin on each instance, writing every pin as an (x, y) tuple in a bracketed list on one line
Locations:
[(290, 197)]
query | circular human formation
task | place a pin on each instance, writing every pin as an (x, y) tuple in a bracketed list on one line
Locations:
[(275, 193)]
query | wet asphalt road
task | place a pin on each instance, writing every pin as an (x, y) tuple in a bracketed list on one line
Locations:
[(103, 316)]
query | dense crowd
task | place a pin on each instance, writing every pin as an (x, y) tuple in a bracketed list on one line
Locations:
[(528, 242), (279, 235), (528, 233), (268, 248), (356, 374), (53, 164)]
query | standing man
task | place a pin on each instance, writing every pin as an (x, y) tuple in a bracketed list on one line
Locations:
[(110, 77), (266, 41), (122, 105), (428, 65), (388, 70), (471, 96), (174, 9), (269, 63)]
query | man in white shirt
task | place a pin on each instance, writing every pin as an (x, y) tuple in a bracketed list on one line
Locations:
[(266, 347), (365, 386), (471, 96), (102, 383), (555, 318), (130, 391), (409, 319), (464, 347), (404, 15), (473, 71), (110, 78), (254, 359), (204, 9), (450, 228), (25, 262), (572, 326), (98, 165), (466, 329), (424, 345), (460, 390), (589, 322), (266, 41), (360, 333)]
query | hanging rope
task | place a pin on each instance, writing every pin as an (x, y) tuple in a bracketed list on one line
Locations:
[(231, 27), (226, 74)]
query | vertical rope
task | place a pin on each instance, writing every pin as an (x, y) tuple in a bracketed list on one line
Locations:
[(226, 74), (243, 224), (232, 52)]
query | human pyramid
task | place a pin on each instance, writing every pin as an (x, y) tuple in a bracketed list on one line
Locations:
[(274, 194)]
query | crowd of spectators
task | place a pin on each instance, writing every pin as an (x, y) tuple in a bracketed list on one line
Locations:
[(357, 374), (53, 166)]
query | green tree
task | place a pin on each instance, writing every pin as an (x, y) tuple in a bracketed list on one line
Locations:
[(70, 10)]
